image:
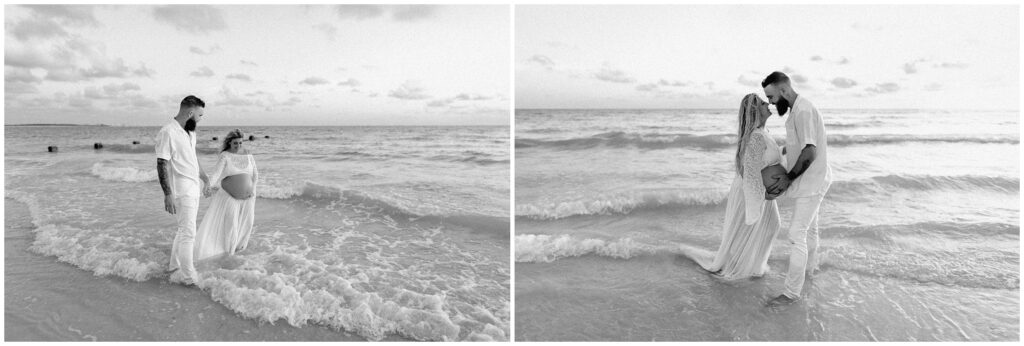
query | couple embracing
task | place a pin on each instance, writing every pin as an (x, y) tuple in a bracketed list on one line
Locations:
[(764, 172), (228, 221)]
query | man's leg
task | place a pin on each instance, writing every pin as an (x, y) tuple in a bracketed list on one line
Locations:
[(805, 213), (812, 244), (184, 240)]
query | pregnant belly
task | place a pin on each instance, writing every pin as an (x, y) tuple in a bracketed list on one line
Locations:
[(238, 186)]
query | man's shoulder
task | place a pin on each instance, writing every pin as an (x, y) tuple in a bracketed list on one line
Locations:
[(168, 127)]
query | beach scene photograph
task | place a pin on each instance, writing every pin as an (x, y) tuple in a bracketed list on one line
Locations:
[(257, 173), (767, 173)]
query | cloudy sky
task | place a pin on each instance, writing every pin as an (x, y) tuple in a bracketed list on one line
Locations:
[(963, 57), (258, 65)]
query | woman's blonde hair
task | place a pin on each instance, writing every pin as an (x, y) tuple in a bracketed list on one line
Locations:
[(749, 118), (236, 133)]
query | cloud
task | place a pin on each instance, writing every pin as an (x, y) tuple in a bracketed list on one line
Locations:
[(816, 58), (843, 61), (202, 72), (409, 91), (542, 60), (647, 87), (400, 13), (17, 88), (673, 83), (909, 68), (843, 83), (799, 79), (111, 91), (48, 21), (359, 12), (230, 98), (74, 59), (458, 98), (749, 82), (19, 74), (314, 81), (247, 62), (36, 28), (330, 30), (958, 65), (611, 75), (884, 88), (239, 76), (411, 13), (933, 87), (350, 82), (78, 15), (194, 19), (200, 51)]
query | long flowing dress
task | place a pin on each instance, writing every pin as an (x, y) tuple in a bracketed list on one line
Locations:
[(751, 222), (227, 225)]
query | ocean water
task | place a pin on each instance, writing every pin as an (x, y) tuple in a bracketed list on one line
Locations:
[(920, 231), (371, 232)]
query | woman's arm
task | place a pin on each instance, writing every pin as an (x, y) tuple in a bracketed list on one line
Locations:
[(218, 169)]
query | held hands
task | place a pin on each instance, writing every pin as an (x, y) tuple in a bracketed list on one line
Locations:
[(209, 191), (781, 184)]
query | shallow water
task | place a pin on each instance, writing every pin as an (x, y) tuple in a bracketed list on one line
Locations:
[(406, 238), (919, 231)]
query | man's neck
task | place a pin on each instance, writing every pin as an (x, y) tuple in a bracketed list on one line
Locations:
[(792, 99), (181, 119)]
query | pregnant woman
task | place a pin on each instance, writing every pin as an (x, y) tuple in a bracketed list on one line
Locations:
[(751, 216), (227, 225)]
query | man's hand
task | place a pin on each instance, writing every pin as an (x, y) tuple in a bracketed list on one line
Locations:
[(169, 204), (782, 183)]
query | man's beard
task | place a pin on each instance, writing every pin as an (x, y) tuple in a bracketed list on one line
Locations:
[(782, 105), (190, 125)]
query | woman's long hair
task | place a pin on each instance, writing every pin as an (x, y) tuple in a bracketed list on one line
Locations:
[(749, 118), (236, 133)]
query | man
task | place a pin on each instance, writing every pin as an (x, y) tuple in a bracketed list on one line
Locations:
[(806, 182), (182, 179)]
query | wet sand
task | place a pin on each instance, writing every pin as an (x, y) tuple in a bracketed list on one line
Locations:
[(46, 300)]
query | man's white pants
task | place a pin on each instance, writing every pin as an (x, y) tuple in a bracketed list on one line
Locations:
[(803, 237), (184, 240)]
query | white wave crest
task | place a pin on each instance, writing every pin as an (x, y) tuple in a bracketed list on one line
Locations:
[(127, 174), (620, 204), (546, 248)]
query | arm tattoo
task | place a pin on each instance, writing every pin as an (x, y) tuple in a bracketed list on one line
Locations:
[(162, 172), (803, 162)]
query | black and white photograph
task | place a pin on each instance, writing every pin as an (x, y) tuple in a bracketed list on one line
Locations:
[(257, 172), (767, 173)]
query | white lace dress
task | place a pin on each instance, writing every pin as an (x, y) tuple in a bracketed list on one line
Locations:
[(751, 222), (227, 224)]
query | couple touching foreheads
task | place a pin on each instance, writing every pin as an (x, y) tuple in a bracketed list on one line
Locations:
[(228, 221), (799, 171)]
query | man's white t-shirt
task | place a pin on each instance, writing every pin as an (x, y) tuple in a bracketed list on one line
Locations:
[(179, 149), (804, 127)]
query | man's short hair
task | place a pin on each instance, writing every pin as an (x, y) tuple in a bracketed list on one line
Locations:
[(191, 101), (775, 78)]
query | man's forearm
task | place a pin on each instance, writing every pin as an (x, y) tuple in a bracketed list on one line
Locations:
[(163, 171), (803, 162)]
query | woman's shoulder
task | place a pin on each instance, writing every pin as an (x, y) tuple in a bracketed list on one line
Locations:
[(759, 134)]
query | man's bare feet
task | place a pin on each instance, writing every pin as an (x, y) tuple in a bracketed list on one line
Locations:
[(179, 278), (781, 300)]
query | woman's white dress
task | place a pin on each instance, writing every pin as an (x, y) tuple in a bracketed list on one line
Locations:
[(227, 225), (751, 222)]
